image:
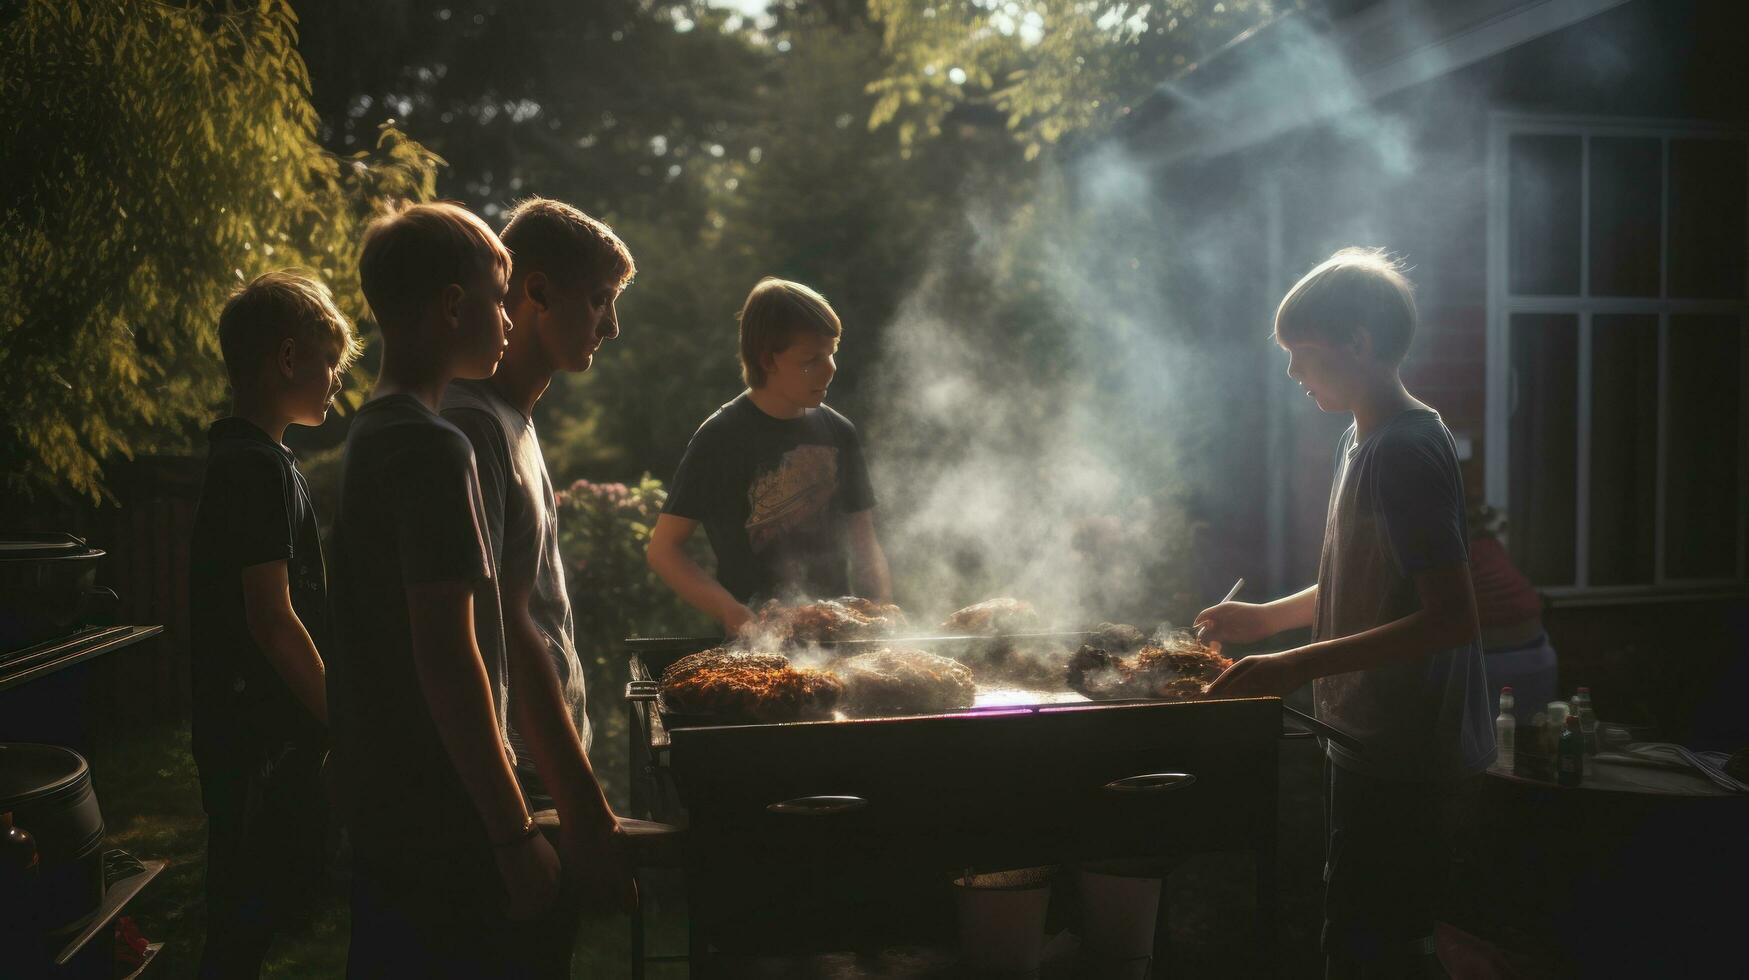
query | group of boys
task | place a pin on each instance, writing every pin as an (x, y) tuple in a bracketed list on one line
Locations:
[(433, 653)]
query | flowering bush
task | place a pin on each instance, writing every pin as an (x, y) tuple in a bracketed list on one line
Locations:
[(603, 531)]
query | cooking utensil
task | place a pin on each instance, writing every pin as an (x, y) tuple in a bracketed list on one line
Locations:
[(1237, 585)]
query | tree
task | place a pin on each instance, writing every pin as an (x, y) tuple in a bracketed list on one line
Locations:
[(156, 155), (1049, 67)]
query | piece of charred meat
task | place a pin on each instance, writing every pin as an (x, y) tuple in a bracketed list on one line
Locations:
[(1117, 637), (737, 685), (993, 616), (904, 682), (829, 620), (1176, 666)]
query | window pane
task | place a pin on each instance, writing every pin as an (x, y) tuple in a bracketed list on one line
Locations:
[(1544, 445), (1706, 219), (1701, 476), (1624, 216), (1624, 448), (1543, 189)]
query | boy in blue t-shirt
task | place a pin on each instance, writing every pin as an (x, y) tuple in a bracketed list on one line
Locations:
[(1395, 657)]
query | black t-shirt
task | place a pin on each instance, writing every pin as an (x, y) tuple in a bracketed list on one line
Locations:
[(254, 508), (773, 496), (410, 513)]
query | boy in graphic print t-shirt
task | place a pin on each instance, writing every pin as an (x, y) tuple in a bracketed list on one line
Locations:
[(776, 477)]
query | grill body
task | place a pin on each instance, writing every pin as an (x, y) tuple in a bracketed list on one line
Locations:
[(836, 835)]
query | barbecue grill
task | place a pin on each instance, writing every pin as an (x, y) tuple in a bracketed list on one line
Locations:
[(833, 835)]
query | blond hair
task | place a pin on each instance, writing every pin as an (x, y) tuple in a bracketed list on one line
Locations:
[(410, 256), (1357, 289), (276, 306), (775, 311)]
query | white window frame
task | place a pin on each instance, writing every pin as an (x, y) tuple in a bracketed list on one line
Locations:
[(1502, 305)]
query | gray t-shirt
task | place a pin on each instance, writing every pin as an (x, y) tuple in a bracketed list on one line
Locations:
[(523, 528), (1396, 510)]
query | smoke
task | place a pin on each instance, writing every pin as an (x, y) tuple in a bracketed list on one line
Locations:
[(1078, 405)]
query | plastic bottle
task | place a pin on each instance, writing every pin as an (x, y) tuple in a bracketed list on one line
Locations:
[(1506, 733), (1570, 757), (1559, 712), (1587, 719)]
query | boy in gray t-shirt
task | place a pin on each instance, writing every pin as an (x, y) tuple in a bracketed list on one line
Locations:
[(1395, 657), (567, 272)]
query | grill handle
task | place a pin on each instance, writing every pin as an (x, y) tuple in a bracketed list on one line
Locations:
[(1153, 782), (642, 690), (817, 806)]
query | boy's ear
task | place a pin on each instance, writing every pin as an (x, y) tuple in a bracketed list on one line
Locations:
[(450, 302), (285, 358), (1360, 342), (536, 287)]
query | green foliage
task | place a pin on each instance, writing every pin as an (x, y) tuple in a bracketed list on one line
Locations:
[(603, 531), (1049, 68), (156, 155)]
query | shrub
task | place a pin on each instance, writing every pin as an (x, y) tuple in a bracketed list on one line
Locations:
[(603, 531)]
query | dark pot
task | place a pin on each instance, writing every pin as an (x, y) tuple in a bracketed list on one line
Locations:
[(46, 587), (47, 789)]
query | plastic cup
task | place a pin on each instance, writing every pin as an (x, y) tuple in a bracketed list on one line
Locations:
[(1002, 920), (1120, 906)]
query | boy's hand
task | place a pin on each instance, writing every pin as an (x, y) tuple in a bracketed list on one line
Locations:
[(529, 870), (596, 866), (1233, 622), (737, 620), (1261, 676)]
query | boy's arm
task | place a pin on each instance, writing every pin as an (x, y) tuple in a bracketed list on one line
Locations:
[(869, 575), (457, 692), (1248, 622), (667, 556), (1447, 618), (276, 629), (588, 831)]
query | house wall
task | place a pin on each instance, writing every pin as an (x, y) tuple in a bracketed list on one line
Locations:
[(1409, 172)]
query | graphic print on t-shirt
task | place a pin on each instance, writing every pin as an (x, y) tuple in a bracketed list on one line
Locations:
[(793, 497)]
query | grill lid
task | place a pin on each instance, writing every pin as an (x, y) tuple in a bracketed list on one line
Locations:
[(29, 772)]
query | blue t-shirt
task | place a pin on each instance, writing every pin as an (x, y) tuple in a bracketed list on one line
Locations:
[(1396, 510)]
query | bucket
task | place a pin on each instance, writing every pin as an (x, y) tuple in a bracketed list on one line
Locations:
[(1002, 920), (1120, 906)]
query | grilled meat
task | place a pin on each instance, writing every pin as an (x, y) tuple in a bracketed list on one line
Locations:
[(905, 681), (742, 686), (992, 616), (829, 620), (1117, 637), (1176, 667)]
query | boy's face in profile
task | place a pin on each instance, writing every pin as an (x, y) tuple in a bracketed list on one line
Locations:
[(577, 320), (801, 372), (1329, 372), (481, 324), (314, 380)]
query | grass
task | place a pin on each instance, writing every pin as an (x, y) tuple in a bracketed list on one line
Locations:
[(151, 802)]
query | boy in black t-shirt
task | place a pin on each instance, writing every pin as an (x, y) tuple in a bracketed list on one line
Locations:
[(775, 476), (258, 619), (451, 876)]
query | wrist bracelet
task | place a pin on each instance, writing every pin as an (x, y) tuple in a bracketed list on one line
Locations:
[(530, 830)]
